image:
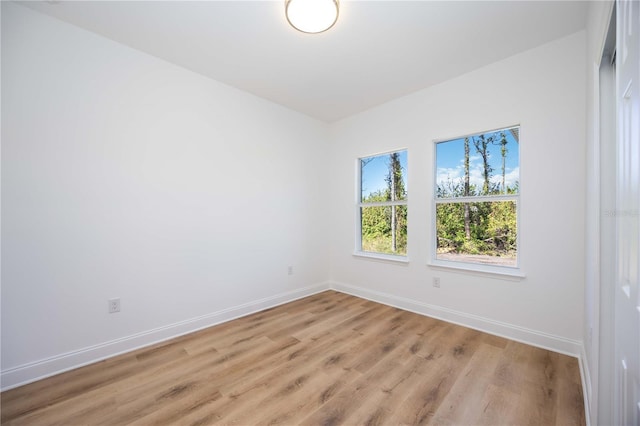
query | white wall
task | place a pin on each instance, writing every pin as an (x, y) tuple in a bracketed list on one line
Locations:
[(125, 176), (543, 90)]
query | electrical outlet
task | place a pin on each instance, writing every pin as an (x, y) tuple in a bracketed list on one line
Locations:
[(290, 270), (436, 282), (114, 305)]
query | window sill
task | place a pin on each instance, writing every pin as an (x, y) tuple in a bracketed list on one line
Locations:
[(387, 258), (500, 272)]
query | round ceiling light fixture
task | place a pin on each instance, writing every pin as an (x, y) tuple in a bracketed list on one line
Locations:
[(311, 16)]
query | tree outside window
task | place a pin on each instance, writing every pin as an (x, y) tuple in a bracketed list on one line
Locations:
[(382, 205)]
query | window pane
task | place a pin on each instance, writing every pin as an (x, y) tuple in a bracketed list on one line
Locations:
[(376, 174), (477, 232), (481, 164), (384, 229)]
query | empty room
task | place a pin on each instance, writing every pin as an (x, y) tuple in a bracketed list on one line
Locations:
[(320, 212)]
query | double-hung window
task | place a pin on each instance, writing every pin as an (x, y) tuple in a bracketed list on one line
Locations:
[(477, 191), (382, 205)]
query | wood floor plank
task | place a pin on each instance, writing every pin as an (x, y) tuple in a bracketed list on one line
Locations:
[(143, 394), (332, 321), (497, 407), (248, 392), (378, 409), (308, 386), (345, 403), (445, 364), (422, 401), (329, 359), (464, 400)]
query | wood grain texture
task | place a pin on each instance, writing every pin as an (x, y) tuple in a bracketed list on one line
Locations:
[(328, 359)]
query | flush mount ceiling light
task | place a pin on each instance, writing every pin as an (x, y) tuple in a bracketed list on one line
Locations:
[(311, 16)]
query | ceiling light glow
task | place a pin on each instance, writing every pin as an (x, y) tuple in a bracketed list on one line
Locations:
[(311, 16)]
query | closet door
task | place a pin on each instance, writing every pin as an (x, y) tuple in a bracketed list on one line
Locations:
[(627, 298)]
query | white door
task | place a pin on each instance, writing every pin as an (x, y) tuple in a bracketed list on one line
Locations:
[(627, 297)]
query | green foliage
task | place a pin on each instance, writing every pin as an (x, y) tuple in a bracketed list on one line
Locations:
[(492, 225), (376, 229), (375, 220), (501, 225)]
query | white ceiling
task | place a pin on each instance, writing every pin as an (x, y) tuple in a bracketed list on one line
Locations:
[(377, 51)]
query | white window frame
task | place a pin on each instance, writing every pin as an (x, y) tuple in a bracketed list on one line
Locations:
[(475, 268), (359, 205)]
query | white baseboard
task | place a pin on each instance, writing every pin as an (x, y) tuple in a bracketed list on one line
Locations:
[(509, 331), (27, 373)]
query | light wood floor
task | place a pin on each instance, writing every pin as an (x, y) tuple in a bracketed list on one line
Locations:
[(327, 359)]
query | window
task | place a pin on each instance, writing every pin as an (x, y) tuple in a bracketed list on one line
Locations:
[(476, 199), (382, 204)]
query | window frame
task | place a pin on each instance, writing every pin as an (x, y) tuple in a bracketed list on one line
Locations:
[(476, 268), (359, 204)]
